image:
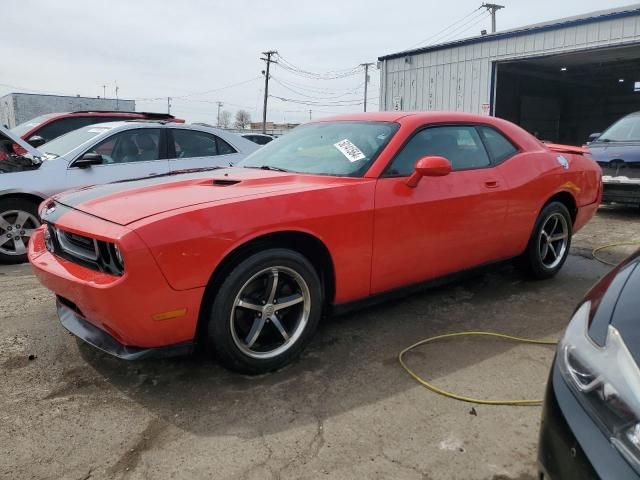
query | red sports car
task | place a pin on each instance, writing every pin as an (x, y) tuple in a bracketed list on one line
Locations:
[(336, 213)]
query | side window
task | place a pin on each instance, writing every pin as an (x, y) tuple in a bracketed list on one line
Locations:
[(191, 143), (138, 145), (460, 144), (499, 147), (224, 148)]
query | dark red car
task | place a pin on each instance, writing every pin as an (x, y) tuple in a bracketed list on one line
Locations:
[(45, 128)]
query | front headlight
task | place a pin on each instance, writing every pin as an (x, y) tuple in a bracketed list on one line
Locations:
[(606, 381)]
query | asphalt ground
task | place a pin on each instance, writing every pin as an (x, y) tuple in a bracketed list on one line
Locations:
[(344, 410)]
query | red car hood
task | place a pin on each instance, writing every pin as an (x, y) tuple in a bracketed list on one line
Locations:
[(126, 202)]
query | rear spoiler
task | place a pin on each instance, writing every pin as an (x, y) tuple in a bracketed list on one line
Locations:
[(555, 147)]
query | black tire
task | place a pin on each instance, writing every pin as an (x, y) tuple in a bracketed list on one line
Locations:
[(531, 261), (228, 345), (20, 205)]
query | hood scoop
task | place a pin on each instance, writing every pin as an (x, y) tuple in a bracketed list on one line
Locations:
[(224, 182)]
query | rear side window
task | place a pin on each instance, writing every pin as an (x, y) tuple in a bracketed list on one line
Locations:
[(499, 147), (191, 144)]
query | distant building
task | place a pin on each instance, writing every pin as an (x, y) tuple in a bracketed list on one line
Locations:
[(272, 128), (16, 108)]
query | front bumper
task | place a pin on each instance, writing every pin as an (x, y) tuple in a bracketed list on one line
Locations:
[(122, 315), (571, 446), (101, 340), (620, 190)]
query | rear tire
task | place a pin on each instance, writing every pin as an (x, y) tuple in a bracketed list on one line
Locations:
[(549, 244), (265, 312), (18, 220)]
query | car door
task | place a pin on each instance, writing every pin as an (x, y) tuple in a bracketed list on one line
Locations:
[(444, 224), (198, 149), (133, 153)]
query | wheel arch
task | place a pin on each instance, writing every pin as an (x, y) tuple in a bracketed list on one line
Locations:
[(568, 200), (305, 243), (32, 197)]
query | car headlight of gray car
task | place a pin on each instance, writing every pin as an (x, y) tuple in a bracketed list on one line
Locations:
[(606, 382)]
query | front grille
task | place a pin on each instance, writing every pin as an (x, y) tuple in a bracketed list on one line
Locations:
[(618, 168), (78, 245), (86, 251)]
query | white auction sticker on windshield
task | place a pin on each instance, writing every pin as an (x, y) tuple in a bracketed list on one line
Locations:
[(349, 150)]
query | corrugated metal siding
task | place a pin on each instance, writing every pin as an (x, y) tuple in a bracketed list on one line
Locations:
[(459, 78)]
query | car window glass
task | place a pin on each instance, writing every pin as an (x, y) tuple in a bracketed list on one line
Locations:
[(224, 148), (625, 129), (460, 144), (130, 146), (499, 147), (190, 144), (60, 127)]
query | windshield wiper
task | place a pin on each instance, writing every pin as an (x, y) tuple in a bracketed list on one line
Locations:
[(268, 167)]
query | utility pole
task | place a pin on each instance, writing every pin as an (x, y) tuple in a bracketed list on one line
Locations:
[(104, 91), (168, 104), (309, 115), (492, 7), (219, 106), (366, 82), (117, 99), (268, 54)]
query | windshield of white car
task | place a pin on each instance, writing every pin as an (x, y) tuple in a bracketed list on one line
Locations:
[(626, 129), (20, 130), (341, 148), (64, 144)]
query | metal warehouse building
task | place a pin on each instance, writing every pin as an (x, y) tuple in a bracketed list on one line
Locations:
[(561, 80), (16, 108)]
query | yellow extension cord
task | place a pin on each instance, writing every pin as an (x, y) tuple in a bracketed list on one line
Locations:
[(479, 401)]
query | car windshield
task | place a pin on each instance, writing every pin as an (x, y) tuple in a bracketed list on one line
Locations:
[(66, 143), (624, 130), (342, 148), (23, 128)]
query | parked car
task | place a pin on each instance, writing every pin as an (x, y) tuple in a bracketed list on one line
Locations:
[(337, 213), (617, 151), (591, 419), (100, 153), (259, 138), (45, 128)]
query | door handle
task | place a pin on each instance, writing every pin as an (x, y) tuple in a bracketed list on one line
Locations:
[(491, 183)]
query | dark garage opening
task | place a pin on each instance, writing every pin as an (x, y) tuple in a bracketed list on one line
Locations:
[(564, 98)]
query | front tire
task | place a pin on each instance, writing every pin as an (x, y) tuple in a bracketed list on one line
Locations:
[(265, 312), (18, 221), (550, 241)]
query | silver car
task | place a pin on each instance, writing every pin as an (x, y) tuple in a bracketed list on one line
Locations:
[(100, 153)]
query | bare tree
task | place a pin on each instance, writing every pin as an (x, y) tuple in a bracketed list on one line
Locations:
[(225, 119), (243, 119)]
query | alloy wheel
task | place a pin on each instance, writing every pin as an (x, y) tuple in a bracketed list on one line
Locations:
[(16, 228), (553, 240), (270, 312)]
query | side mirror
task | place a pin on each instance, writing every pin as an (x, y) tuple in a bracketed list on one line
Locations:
[(429, 167), (594, 136), (89, 159), (36, 141)]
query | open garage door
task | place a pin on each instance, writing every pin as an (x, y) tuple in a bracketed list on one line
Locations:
[(565, 97)]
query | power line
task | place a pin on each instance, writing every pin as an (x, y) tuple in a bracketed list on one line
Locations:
[(349, 103), (450, 35), (318, 97), (444, 29)]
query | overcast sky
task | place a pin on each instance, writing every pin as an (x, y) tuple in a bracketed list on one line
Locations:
[(191, 49)]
